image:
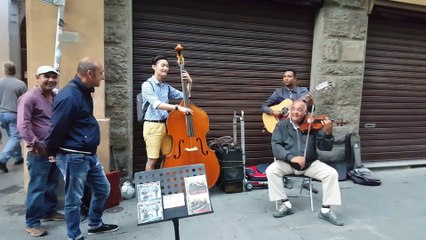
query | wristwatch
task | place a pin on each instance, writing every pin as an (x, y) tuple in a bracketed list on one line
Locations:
[(176, 107)]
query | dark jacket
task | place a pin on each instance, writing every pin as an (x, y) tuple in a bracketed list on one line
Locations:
[(288, 143), (73, 124), (281, 94)]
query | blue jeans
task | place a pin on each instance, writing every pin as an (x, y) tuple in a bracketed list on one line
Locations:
[(13, 145), (80, 170), (42, 189)]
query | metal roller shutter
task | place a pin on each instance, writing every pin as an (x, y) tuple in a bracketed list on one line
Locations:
[(235, 52), (393, 111)]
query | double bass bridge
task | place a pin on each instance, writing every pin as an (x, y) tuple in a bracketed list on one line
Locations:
[(192, 149)]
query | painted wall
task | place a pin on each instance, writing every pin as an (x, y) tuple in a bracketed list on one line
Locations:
[(83, 36), (85, 18), (4, 40)]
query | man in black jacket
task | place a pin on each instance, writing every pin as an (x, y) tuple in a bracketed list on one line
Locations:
[(296, 153), (72, 141), (289, 92)]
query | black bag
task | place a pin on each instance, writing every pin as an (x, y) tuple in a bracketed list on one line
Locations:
[(341, 168), (353, 151), (141, 110), (364, 176), (356, 171)]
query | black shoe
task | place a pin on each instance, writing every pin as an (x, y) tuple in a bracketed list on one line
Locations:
[(288, 183), (103, 229), (19, 162), (3, 167)]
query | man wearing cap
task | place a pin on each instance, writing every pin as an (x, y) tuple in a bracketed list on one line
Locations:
[(34, 121), (11, 89)]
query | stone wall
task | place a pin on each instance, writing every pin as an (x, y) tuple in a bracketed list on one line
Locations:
[(118, 87), (338, 56)]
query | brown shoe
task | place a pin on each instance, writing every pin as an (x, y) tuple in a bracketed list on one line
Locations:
[(36, 231), (56, 216)]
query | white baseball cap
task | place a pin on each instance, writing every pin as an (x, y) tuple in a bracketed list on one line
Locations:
[(46, 69)]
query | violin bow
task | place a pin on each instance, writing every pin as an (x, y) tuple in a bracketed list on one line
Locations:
[(309, 131)]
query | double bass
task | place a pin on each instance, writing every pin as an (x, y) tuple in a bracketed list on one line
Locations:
[(188, 132)]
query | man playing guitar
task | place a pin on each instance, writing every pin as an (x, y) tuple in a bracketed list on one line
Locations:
[(289, 91)]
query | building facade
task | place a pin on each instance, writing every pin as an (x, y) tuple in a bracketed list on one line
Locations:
[(372, 53)]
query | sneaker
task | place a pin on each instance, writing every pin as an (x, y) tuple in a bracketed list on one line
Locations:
[(3, 167), (288, 183), (56, 216), (19, 162), (282, 211), (103, 229), (330, 217), (36, 231)]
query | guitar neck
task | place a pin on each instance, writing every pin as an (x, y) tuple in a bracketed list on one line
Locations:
[(308, 94)]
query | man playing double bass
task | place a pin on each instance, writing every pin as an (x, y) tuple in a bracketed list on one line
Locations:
[(157, 92)]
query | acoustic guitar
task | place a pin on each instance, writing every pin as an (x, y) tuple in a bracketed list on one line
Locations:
[(270, 120)]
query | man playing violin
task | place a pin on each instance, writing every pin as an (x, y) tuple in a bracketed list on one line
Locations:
[(296, 153), (157, 92), (291, 91)]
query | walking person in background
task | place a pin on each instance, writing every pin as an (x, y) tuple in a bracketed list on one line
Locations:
[(34, 114), (11, 89), (72, 142)]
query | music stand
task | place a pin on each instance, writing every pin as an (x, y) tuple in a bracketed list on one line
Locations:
[(172, 181)]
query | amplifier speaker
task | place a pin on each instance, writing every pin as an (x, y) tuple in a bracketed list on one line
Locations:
[(231, 173), (231, 164), (231, 186)]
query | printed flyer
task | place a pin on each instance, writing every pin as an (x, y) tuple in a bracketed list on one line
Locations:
[(197, 195), (150, 207)]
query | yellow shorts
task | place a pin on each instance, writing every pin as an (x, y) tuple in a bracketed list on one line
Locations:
[(156, 139)]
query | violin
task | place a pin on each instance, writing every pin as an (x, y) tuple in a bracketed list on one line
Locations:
[(312, 123)]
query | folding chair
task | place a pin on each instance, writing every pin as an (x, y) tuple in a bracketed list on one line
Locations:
[(305, 178)]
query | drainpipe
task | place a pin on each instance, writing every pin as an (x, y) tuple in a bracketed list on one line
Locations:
[(60, 23)]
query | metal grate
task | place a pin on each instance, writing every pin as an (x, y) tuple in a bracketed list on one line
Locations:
[(11, 189), (230, 49)]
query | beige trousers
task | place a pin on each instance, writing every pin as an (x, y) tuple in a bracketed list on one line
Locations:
[(318, 170)]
